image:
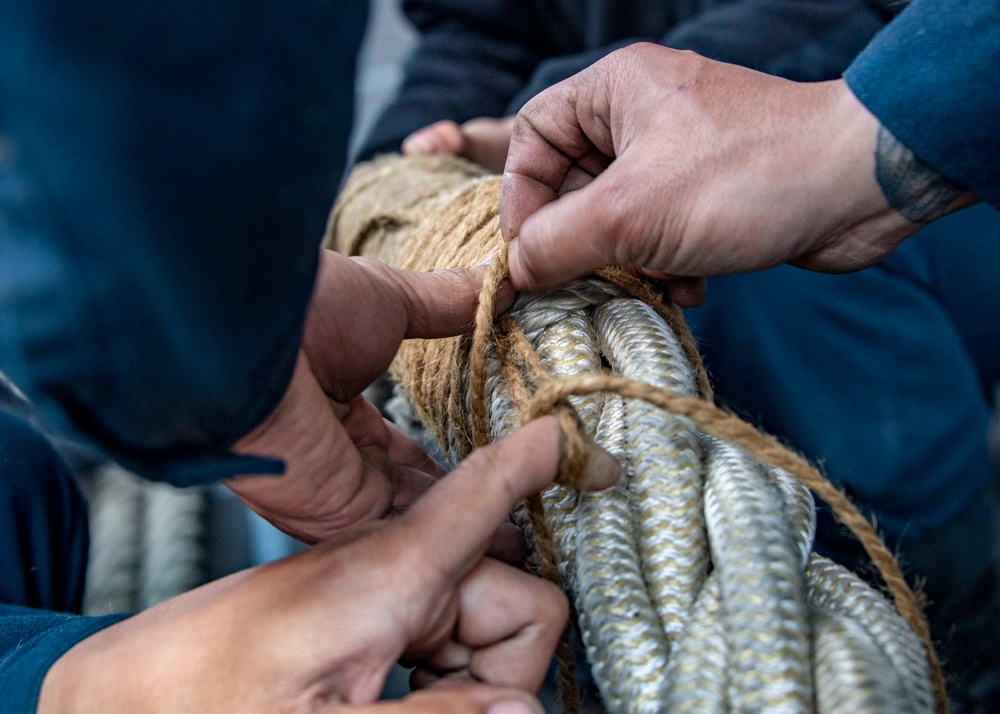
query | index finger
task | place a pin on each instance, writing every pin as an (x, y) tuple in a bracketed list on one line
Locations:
[(454, 522), (457, 517), (545, 141)]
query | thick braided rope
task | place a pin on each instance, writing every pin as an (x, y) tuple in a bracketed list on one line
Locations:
[(147, 541), (427, 214)]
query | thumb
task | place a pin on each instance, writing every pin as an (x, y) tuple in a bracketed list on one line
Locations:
[(487, 484), (444, 302), (462, 699)]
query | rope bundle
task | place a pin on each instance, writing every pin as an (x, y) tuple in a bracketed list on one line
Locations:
[(694, 578)]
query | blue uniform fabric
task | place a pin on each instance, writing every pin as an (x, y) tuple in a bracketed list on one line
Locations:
[(157, 162), (488, 57), (43, 522), (930, 79), (165, 174), (30, 643), (43, 558)]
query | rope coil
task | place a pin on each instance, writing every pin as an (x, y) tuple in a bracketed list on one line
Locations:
[(694, 579)]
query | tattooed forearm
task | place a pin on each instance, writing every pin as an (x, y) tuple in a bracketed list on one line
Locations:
[(912, 186)]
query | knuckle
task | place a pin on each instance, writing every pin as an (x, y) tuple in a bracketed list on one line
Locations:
[(615, 217), (461, 281), (498, 468), (634, 58), (632, 220), (416, 567), (485, 459)]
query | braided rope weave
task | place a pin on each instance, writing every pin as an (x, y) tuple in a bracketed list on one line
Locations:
[(694, 578), (147, 541)]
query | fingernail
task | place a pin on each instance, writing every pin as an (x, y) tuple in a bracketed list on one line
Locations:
[(418, 144), (654, 274), (602, 469), (505, 297), (514, 260), (515, 706)]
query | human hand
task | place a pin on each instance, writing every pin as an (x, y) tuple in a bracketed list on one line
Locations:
[(317, 632), (345, 464), (678, 164), (483, 141)]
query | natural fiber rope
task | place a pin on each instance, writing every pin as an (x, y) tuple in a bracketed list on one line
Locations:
[(447, 212)]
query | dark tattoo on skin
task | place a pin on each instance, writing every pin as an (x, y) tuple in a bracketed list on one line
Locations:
[(913, 187)]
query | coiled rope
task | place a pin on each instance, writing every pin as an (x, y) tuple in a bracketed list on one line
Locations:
[(694, 579)]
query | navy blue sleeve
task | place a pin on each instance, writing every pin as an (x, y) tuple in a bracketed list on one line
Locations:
[(30, 642), (43, 561), (165, 173), (472, 58), (930, 78), (805, 40)]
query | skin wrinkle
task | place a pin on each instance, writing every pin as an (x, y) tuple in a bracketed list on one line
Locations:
[(569, 154)]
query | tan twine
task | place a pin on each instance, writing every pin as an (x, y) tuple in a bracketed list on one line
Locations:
[(435, 213)]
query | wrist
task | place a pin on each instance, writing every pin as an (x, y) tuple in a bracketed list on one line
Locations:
[(862, 226), (850, 152), (893, 175)]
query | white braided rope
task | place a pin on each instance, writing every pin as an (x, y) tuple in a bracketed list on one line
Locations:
[(116, 511), (147, 542), (173, 545), (694, 579)]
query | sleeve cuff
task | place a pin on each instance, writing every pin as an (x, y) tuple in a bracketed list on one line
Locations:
[(927, 77), (23, 670), (202, 470)]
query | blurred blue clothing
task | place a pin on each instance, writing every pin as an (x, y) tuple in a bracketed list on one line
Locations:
[(165, 174), (929, 78), (43, 559), (488, 57)]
